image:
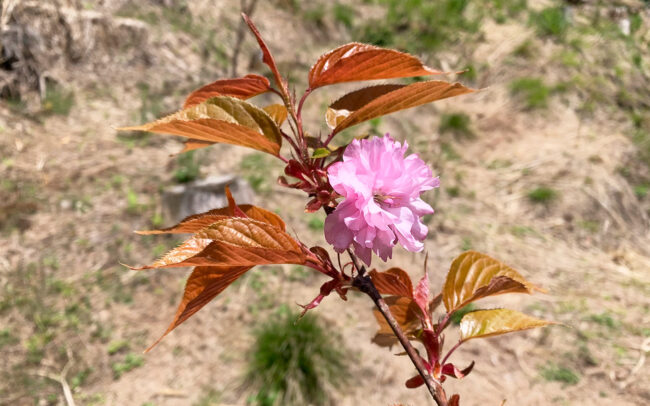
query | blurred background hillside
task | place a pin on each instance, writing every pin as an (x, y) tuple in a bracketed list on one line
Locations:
[(547, 168)]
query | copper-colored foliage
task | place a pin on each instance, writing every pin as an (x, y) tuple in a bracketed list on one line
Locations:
[(355, 61), (235, 241), (241, 88), (191, 145), (227, 243), (203, 285), (394, 281), (353, 101), (473, 276), (405, 312), (402, 98), (487, 323), (197, 222), (277, 112), (221, 119)]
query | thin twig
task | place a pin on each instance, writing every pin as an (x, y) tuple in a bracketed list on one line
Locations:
[(61, 379), (365, 284)]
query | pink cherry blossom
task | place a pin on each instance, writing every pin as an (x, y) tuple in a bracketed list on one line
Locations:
[(381, 206)]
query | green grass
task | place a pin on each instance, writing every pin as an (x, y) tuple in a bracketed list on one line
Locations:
[(299, 273), (316, 223), (449, 152), (457, 124), (315, 15), (255, 168), (605, 319), (542, 195), (344, 15), (550, 22), (453, 191), (557, 373), (210, 397), (522, 231), (133, 205), (187, 168), (294, 362), (58, 101), (130, 362), (502, 10), (641, 138), (419, 25), (6, 338), (526, 50), (532, 92), (117, 346)]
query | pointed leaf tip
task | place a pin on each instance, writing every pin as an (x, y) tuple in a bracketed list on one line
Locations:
[(356, 61), (488, 323), (394, 281), (197, 222), (474, 275), (221, 119), (203, 285), (240, 88), (234, 241), (387, 101)]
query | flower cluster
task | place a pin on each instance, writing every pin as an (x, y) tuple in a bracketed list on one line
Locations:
[(382, 205)]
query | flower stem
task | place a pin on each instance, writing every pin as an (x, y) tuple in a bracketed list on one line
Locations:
[(365, 284)]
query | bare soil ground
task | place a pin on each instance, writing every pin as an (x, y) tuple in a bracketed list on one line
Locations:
[(72, 190)]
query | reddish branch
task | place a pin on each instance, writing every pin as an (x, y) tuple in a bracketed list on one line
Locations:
[(365, 285)]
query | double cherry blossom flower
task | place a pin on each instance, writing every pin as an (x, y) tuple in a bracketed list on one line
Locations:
[(381, 203)]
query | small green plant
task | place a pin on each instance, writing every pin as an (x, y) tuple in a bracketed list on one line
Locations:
[(525, 50), (6, 338), (293, 362), (542, 195), (299, 273), (501, 10), (316, 223), (133, 205), (641, 139), (604, 319), (344, 14), (131, 361), (457, 124), (188, 168), (315, 15), (255, 168), (550, 22), (80, 378), (641, 191), (453, 191), (58, 101), (116, 346), (531, 91), (436, 22), (449, 152), (210, 397), (557, 373)]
